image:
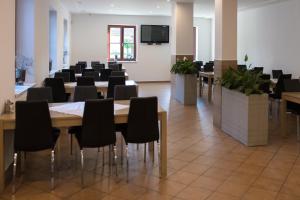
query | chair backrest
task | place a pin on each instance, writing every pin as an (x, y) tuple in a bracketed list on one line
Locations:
[(85, 81), (93, 63), (98, 126), (64, 75), (291, 85), (208, 67), (76, 68), (265, 87), (98, 67), (142, 120), (258, 69), (72, 74), (114, 67), (83, 64), (276, 73), (279, 88), (33, 126), (198, 65), (92, 74), (105, 74), (117, 73), (125, 92), (40, 94), (112, 82), (83, 93), (58, 89), (242, 67), (87, 70)]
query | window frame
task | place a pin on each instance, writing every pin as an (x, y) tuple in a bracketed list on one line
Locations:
[(122, 27)]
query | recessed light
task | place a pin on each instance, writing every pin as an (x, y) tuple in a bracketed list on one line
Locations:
[(112, 5), (158, 6)]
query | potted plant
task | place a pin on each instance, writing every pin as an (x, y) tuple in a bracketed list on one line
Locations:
[(23, 68), (185, 82), (244, 107)]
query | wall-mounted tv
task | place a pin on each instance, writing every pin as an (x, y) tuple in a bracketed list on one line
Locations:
[(154, 34)]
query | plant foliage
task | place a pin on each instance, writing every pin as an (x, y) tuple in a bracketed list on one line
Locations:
[(245, 81), (184, 67)]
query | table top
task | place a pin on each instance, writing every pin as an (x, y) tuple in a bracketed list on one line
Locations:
[(99, 84), (66, 120), (80, 74), (207, 74)]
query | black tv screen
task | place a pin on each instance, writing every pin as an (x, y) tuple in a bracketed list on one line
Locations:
[(154, 34)]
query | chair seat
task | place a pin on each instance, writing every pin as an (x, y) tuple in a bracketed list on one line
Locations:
[(74, 129), (56, 133)]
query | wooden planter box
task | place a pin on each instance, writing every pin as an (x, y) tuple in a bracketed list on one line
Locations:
[(245, 118), (186, 89)]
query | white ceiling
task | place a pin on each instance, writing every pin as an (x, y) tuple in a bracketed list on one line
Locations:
[(202, 8)]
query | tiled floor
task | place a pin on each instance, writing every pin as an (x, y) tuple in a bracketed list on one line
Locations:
[(203, 163)]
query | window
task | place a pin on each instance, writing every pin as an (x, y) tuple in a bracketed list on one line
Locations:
[(122, 43)]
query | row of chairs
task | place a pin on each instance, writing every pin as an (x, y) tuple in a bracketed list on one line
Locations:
[(98, 128), (96, 65)]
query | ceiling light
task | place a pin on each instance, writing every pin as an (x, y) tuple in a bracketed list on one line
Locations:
[(158, 7), (112, 5)]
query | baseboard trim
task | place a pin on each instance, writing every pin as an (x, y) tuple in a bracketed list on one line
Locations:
[(153, 81)]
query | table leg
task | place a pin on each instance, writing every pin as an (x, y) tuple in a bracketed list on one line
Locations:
[(283, 118), (163, 145), (200, 86), (209, 89), (2, 171)]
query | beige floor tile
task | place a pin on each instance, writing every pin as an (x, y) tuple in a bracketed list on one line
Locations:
[(291, 189), (207, 183), (151, 195), (241, 178), (183, 177), (129, 192), (286, 197), (268, 184), (234, 189), (254, 194), (218, 173), (275, 173), (191, 193), (87, 194), (66, 189), (169, 187), (221, 196), (250, 169), (196, 168)]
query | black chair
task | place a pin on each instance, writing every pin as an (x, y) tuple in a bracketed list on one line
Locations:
[(208, 67), (142, 126), (85, 81), (98, 129), (83, 64), (276, 73), (34, 132), (76, 68), (115, 67), (93, 63), (258, 69), (125, 92), (112, 82), (64, 75), (92, 74), (72, 74), (87, 70), (265, 87), (105, 74), (242, 67), (58, 89), (40, 94), (83, 93), (98, 67), (117, 73)]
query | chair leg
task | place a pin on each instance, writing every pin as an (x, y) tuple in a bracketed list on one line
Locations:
[(82, 167), (96, 164), (14, 173), (145, 146), (158, 152), (71, 144), (52, 168), (137, 147), (103, 159), (122, 146), (109, 159), (127, 163), (115, 159), (298, 128), (153, 153)]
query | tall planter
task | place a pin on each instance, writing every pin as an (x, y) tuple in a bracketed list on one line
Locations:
[(245, 118), (186, 88)]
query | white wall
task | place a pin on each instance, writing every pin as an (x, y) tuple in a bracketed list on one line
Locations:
[(89, 42), (204, 27), (270, 36)]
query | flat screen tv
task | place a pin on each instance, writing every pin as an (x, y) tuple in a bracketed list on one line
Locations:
[(154, 34)]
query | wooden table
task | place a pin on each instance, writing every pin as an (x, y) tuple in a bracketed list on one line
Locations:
[(63, 121), (209, 76), (100, 85), (287, 96), (80, 75)]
